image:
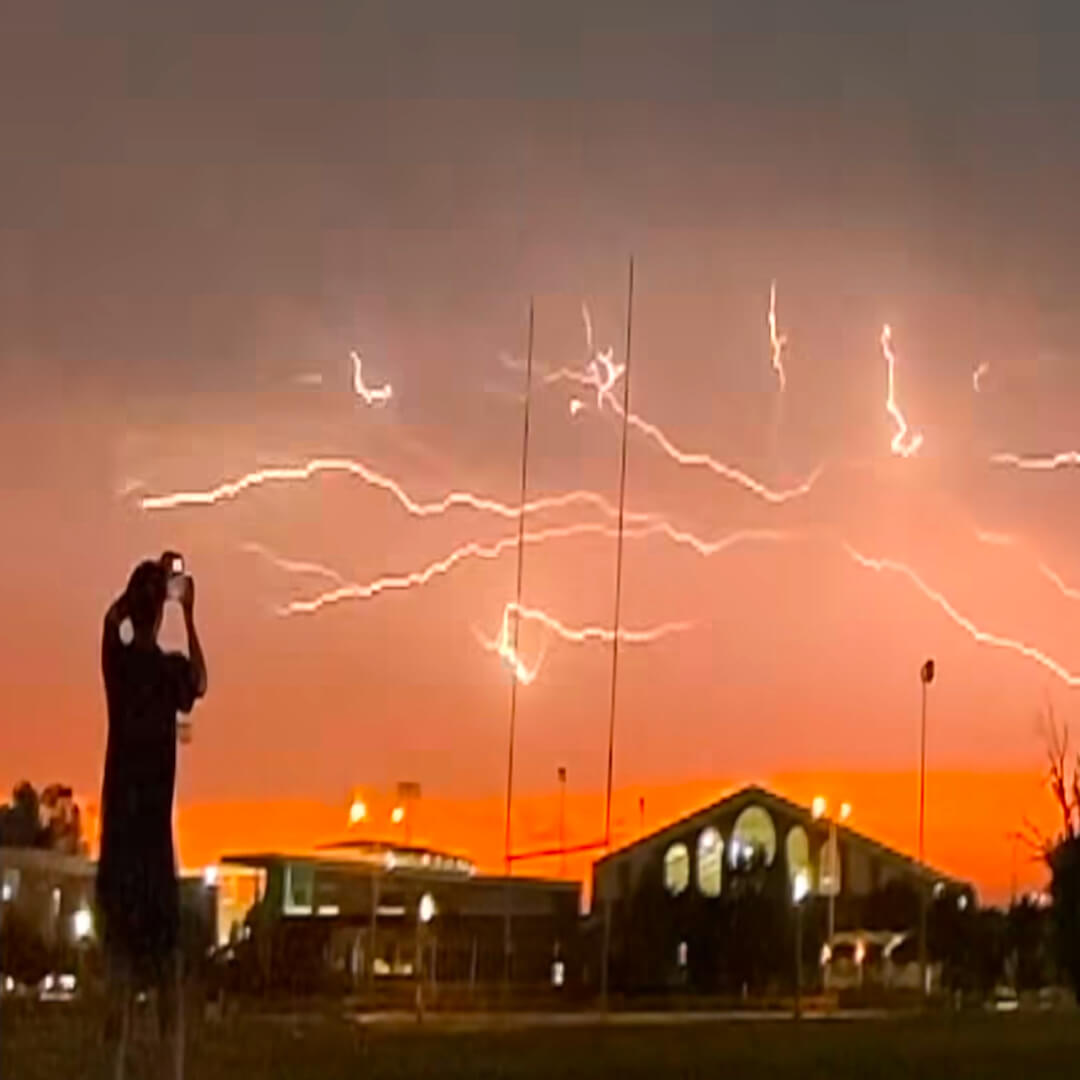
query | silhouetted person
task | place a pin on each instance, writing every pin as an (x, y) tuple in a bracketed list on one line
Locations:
[(137, 888)]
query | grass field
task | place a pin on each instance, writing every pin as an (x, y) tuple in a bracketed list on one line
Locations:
[(63, 1043)]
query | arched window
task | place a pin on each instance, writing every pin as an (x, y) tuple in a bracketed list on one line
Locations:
[(676, 869), (797, 848), (710, 861), (753, 840)]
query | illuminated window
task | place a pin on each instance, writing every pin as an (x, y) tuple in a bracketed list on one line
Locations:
[(299, 889), (676, 869), (710, 861), (753, 840), (797, 848)]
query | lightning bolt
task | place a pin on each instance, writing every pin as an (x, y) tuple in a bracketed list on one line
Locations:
[(904, 442), (1065, 459), (378, 395), (231, 489), (576, 405), (477, 550), (977, 375), (776, 342), (983, 637), (604, 380), (293, 566), (503, 646), (1052, 575), (582, 634)]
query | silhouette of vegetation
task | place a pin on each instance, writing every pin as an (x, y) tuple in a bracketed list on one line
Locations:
[(1062, 852), (50, 820)]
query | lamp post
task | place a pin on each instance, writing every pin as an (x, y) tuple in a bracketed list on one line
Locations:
[(800, 889), (926, 677), (819, 809), (561, 774)]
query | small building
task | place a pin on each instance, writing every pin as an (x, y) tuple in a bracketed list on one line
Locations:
[(710, 903), (361, 915)]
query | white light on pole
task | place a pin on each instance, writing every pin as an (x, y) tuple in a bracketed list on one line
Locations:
[(426, 911), (82, 923)]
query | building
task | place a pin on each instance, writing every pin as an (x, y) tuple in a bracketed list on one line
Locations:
[(711, 902), (364, 915)]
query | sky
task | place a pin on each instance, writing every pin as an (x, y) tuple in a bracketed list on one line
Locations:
[(205, 208)]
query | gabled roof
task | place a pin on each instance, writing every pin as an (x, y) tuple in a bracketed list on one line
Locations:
[(754, 793)]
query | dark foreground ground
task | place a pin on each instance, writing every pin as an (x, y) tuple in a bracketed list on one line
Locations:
[(60, 1042)]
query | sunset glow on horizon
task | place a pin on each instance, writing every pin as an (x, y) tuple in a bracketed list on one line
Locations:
[(266, 302)]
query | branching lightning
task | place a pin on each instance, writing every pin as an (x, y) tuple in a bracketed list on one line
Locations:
[(904, 442), (977, 375), (231, 489), (293, 566), (777, 342), (983, 637), (372, 395), (477, 550)]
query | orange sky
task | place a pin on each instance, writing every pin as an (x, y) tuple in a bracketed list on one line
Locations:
[(965, 837), (197, 227)]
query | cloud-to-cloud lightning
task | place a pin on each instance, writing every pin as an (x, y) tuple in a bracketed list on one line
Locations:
[(777, 342), (372, 395), (983, 637), (904, 442), (1039, 463)]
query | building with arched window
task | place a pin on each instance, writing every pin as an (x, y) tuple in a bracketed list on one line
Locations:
[(708, 902)]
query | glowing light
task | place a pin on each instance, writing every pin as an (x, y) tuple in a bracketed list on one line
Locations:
[(904, 442), (357, 811), (845, 811), (860, 951), (977, 375), (817, 807), (426, 909), (372, 395), (826, 954), (776, 341), (397, 815), (1066, 590), (503, 646), (576, 405), (476, 550), (983, 637), (231, 489), (82, 923), (800, 888), (210, 875), (1062, 460)]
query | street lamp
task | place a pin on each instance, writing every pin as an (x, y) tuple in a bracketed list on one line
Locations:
[(819, 809), (357, 811), (926, 677), (800, 889), (561, 774)]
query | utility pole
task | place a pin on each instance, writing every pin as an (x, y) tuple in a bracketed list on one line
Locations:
[(926, 676), (507, 929), (562, 820), (606, 947)]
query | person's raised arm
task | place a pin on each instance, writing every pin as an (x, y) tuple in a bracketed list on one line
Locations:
[(195, 653)]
